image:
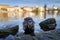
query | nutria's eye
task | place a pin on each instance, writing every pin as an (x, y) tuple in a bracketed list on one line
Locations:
[(30, 21)]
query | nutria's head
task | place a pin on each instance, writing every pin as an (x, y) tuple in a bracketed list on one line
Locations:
[(28, 25)]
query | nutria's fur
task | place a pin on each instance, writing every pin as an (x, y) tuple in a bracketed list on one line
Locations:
[(28, 26)]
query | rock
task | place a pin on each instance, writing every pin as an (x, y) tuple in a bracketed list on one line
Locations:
[(13, 30), (52, 35), (49, 24), (10, 37), (28, 26), (25, 37), (4, 32), (47, 35)]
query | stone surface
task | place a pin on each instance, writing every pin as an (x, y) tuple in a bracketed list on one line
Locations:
[(4, 32), (48, 24), (26, 37)]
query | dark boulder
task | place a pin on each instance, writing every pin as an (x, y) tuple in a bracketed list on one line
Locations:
[(49, 24), (28, 26), (4, 32), (13, 30)]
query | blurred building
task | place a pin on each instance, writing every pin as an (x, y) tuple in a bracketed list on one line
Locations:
[(8, 11), (15, 12), (3, 10), (41, 9), (27, 9)]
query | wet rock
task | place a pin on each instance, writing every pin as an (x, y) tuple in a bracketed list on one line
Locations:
[(4, 32), (10, 37), (52, 35), (26, 37), (49, 24), (28, 26), (49, 35), (13, 30)]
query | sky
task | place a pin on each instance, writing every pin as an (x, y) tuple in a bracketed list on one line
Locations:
[(49, 3)]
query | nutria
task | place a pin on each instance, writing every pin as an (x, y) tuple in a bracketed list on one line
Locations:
[(28, 26)]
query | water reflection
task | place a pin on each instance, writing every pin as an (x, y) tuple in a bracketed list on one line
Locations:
[(41, 15), (54, 13)]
